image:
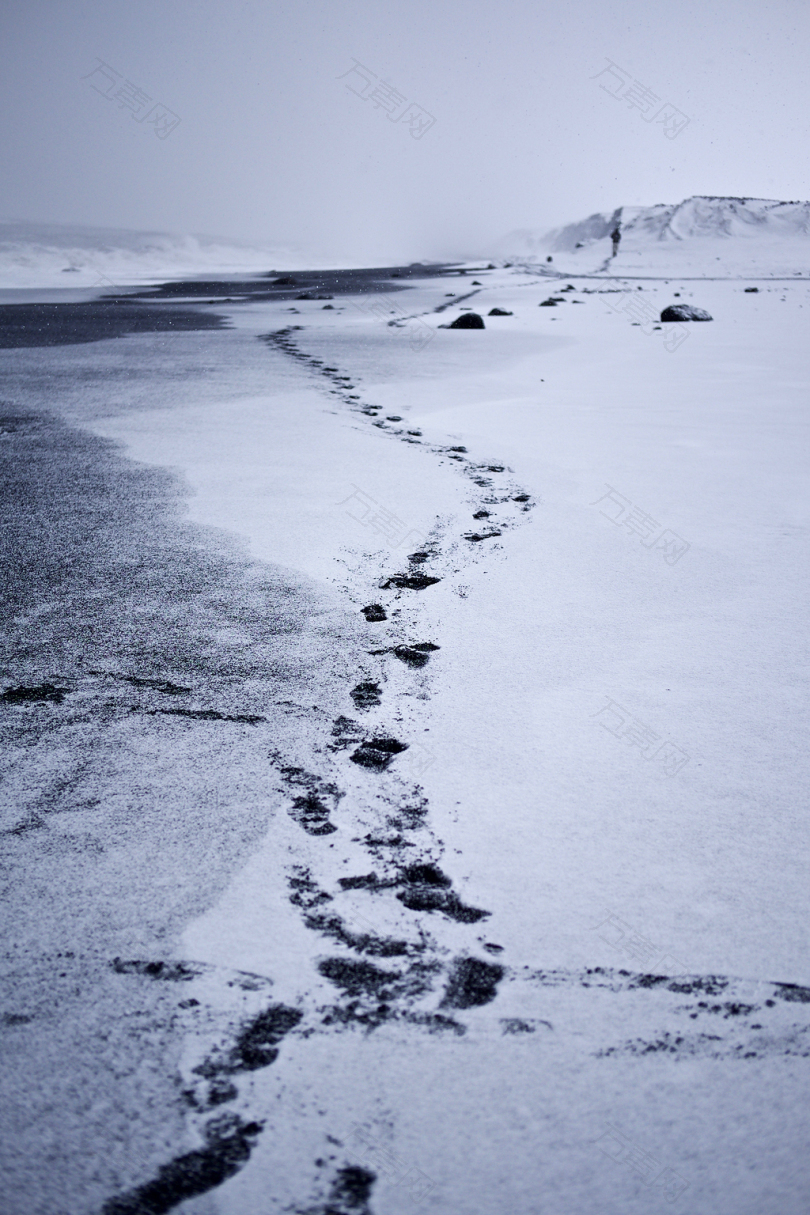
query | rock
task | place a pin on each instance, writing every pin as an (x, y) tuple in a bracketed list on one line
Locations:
[(470, 320), (549, 303), (748, 290), (684, 312), (498, 312)]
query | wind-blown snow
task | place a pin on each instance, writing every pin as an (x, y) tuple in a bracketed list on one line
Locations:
[(64, 255)]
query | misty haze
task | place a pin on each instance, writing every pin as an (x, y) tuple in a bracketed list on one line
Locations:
[(403, 424)]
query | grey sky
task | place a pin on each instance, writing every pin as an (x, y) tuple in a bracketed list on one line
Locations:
[(271, 145)]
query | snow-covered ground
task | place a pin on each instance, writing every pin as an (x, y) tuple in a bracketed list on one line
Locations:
[(543, 962), (698, 238)]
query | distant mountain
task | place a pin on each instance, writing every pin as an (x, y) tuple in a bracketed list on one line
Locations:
[(748, 237)]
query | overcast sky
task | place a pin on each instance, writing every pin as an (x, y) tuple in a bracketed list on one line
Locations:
[(273, 145)]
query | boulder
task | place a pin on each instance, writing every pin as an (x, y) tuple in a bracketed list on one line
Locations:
[(498, 312), (469, 320), (684, 312)]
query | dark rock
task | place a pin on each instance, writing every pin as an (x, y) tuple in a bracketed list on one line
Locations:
[(547, 304), (481, 514), (470, 320), (499, 312), (394, 417), (472, 982), (374, 612), (684, 312), (749, 290)]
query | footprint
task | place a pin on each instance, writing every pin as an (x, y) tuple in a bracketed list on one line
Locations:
[(472, 982), (374, 612), (415, 656), (377, 753), (229, 1143), (366, 695), (409, 582)]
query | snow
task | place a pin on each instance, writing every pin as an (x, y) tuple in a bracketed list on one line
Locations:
[(701, 237), (543, 809), (77, 256)]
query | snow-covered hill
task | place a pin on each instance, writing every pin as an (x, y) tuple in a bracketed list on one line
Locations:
[(700, 237)]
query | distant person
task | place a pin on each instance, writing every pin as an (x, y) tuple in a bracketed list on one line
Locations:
[(616, 236)]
